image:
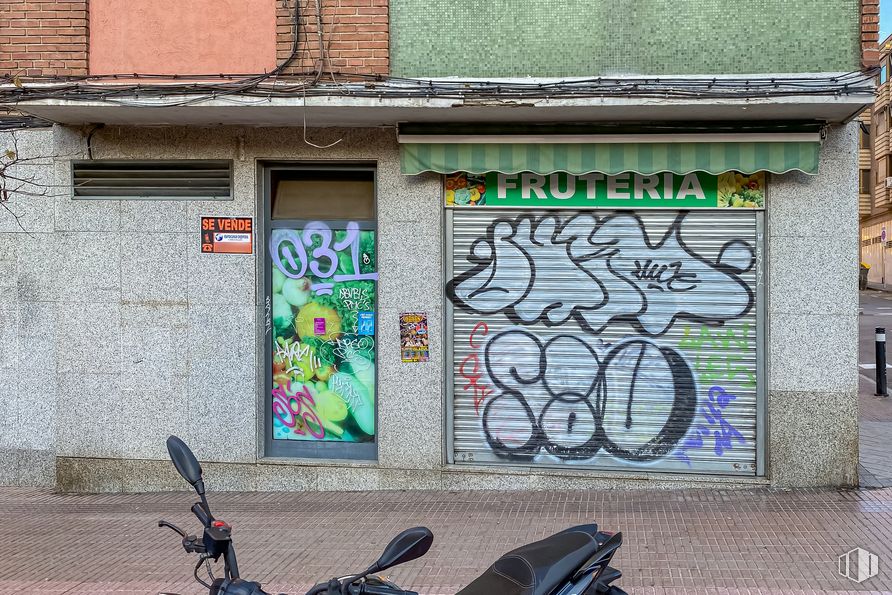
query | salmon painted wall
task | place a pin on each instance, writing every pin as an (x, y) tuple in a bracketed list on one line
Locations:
[(182, 36)]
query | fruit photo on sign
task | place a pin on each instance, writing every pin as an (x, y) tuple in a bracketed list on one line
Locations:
[(323, 369), (465, 190), (739, 191)]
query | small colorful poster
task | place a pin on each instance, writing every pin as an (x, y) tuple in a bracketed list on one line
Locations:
[(414, 337), (365, 323)]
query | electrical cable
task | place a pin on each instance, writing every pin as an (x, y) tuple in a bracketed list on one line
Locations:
[(207, 564), (90, 140), (170, 94), (321, 68), (195, 572)]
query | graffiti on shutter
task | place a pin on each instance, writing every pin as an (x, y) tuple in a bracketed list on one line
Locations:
[(605, 339)]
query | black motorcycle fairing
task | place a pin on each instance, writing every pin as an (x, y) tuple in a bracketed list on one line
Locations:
[(537, 568), (236, 586)]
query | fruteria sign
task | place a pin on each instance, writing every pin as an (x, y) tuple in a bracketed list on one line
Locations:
[(664, 190)]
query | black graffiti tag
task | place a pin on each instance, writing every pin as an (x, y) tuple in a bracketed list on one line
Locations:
[(662, 277), (529, 269), (558, 396)]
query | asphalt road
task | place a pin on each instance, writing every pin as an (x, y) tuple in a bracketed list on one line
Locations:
[(876, 308), (875, 412)]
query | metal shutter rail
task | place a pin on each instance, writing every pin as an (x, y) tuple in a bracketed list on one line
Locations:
[(192, 179), (563, 357)]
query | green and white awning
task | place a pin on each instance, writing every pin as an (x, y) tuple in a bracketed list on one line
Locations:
[(611, 154)]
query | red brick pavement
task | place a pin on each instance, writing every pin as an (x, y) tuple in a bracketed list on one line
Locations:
[(703, 541)]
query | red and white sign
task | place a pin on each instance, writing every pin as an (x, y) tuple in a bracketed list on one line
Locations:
[(227, 235)]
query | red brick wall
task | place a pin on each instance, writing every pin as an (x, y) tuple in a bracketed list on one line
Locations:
[(870, 32), (355, 32), (48, 38)]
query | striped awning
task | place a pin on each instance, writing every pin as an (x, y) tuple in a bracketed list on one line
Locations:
[(715, 154)]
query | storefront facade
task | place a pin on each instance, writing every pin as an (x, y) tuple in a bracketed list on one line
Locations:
[(627, 335), (473, 330)]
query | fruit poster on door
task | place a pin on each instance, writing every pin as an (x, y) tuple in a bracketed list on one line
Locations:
[(323, 333)]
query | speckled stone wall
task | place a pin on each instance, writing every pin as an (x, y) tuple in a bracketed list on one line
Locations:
[(517, 38), (117, 331), (27, 327), (813, 319)]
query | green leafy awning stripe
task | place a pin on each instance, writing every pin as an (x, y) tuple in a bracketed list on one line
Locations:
[(581, 158)]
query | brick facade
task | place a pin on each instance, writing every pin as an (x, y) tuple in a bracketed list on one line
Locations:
[(870, 33), (355, 32), (43, 38)]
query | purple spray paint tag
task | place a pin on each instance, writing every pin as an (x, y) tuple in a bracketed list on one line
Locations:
[(318, 326)]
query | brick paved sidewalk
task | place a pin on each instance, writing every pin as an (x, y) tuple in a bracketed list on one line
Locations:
[(702, 541)]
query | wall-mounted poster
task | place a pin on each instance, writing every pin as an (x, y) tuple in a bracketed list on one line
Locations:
[(227, 235), (413, 337)]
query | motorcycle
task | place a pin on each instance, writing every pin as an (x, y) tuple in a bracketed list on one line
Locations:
[(575, 561)]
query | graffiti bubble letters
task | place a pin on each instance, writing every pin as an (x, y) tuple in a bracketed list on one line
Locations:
[(636, 402), (469, 369), (550, 271), (288, 249), (288, 407), (721, 429)]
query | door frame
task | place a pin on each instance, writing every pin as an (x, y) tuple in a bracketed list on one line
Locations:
[(302, 449)]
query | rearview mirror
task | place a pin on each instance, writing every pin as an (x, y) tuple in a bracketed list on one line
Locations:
[(186, 463), (408, 545)]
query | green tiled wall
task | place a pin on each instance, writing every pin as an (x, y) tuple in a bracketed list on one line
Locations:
[(508, 38)]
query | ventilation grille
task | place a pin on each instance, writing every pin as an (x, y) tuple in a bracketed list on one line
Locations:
[(187, 180)]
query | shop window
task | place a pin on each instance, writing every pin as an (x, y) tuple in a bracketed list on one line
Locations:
[(321, 310), (865, 182), (312, 195)]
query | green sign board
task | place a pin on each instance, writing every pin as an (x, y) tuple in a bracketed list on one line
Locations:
[(627, 190)]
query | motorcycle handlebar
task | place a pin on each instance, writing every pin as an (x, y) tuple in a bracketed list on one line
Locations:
[(203, 516), (169, 525), (356, 589)]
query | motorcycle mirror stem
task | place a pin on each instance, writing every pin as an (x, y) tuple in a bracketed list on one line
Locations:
[(188, 467), (408, 545)]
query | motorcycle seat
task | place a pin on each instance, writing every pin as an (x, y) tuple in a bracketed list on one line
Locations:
[(536, 568)]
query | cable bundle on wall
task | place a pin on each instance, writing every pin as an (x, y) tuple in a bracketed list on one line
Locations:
[(157, 91)]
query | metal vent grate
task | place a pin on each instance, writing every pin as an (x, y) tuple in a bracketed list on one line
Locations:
[(186, 179)]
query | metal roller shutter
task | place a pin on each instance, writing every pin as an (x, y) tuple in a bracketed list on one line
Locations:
[(605, 339)]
